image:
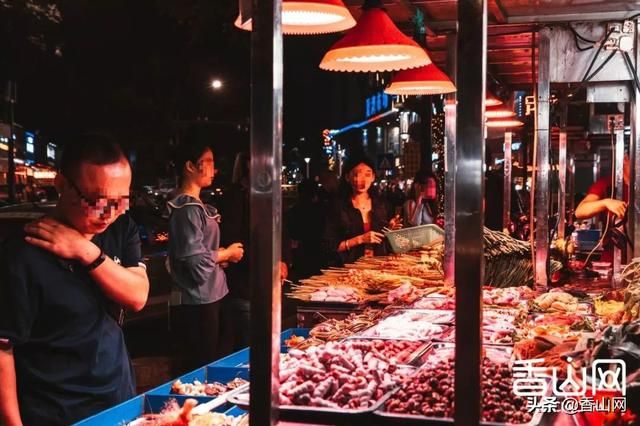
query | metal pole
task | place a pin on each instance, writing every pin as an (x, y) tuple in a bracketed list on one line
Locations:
[(619, 181), (11, 169), (469, 215), (449, 165), (265, 197), (635, 161), (542, 163), (506, 198), (562, 174), (572, 183)]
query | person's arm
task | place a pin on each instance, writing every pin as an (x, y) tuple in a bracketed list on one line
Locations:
[(9, 409), (593, 205), (232, 254), (414, 211), (126, 286)]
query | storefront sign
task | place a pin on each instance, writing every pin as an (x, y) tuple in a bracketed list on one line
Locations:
[(375, 104)]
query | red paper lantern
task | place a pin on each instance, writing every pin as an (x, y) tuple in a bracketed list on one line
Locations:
[(504, 122)]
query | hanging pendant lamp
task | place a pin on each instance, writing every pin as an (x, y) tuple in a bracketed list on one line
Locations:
[(491, 100), (504, 122), (427, 80), (302, 17), (375, 44), (498, 112)]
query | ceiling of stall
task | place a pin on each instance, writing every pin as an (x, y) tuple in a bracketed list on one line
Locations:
[(512, 24)]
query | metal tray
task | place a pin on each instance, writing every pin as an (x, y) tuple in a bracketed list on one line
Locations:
[(295, 413), (368, 332), (412, 360), (492, 351), (411, 419), (449, 337), (440, 316)]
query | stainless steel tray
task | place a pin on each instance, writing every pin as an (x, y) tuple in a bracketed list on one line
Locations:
[(410, 419), (368, 332), (240, 397), (412, 360)]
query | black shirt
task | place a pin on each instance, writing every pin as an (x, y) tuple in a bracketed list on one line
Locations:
[(70, 356), (345, 222)]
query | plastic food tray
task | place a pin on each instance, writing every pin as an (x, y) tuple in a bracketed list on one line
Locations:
[(407, 239)]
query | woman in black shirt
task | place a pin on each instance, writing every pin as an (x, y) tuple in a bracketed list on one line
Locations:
[(356, 219)]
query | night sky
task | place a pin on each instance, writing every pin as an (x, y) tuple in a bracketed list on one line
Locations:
[(140, 70)]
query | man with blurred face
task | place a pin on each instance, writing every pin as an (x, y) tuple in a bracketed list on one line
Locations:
[(62, 352)]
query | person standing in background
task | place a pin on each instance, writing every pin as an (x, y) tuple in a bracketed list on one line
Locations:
[(196, 260), (356, 220), (420, 207)]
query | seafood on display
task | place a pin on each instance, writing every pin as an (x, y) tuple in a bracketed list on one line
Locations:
[(334, 329), (174, 415), (198, 388)]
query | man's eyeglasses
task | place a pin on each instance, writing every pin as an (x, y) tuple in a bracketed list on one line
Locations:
[(101, 206)]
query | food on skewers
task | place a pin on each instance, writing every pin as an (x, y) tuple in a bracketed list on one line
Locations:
[(334, 329), (508, 260), (404, 294), (431, 393), (558, 301), (397, 351), (346, 375), (198, 388)]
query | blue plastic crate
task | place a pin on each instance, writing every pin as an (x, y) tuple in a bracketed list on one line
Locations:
[(239, 359), (235, 411), (301, 332), (143, 404), (120, 414)]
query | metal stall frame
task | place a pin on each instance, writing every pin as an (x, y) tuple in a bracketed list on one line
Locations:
[(265, 198), (541, 167), (450, 164), (635, 152), (507, 170), (469, 211), (562, 171)]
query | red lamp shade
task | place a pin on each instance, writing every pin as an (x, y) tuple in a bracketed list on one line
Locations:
[(504, 122), (427, 80), (302, 17), (498, 112), (374, 44), (492, 100)]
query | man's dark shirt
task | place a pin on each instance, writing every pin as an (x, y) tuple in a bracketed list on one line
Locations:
[(70, 356)]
